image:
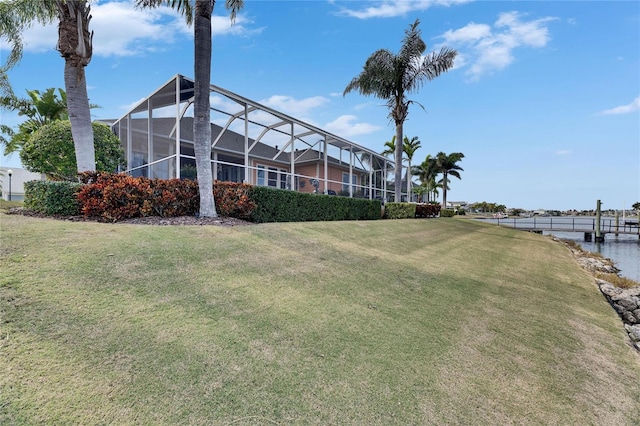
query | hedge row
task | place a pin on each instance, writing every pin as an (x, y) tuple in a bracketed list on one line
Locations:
[(52, 198), (278, 205), (447, 213), (399, 211), (114, 197)]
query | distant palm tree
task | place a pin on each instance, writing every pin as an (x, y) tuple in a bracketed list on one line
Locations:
[(200, 11), (409, 148), (389, 147), (375, 164), (447, 165), (391, 76), (75, 46), (427, 171)]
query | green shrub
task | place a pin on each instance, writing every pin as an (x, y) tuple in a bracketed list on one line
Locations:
[(277, 205), (50, 150), (399, 211), (52, 198), (447, 212)]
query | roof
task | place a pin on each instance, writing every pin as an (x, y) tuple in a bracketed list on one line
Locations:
[(240, 109)]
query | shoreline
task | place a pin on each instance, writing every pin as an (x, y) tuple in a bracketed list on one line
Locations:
[(623, 294)]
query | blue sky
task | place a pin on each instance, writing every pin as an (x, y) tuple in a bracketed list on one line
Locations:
[(544, 99)]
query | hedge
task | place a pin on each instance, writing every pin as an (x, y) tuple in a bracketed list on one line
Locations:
[(278, 205), (447, 213), (52, 198), (113, 197), (399, 211)]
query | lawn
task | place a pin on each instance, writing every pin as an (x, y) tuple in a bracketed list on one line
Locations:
[(439, 321)]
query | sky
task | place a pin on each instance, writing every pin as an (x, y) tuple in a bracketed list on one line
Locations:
[(543, 99)]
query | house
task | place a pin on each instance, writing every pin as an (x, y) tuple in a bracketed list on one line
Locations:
[(457, 205), (250, 142), (12, 180)]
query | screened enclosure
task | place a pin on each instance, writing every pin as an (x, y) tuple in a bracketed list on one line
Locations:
[(251, 143)]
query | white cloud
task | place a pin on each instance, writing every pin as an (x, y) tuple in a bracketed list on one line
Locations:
[(40, 38), (470, 33), (488, 49), (624, 109), (393, 8), (122, 30), (563, 152), (346, 126), (292, 106), (128, 107)]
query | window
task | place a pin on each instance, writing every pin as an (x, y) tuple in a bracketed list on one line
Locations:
[(261, 175), (345, 181), (272, 176)]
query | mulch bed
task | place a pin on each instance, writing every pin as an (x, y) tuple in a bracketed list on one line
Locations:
[(149, 220)]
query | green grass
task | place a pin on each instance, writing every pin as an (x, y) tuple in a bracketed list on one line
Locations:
[(384, 322), (6, 205)]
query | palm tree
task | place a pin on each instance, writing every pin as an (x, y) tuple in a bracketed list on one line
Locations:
[(427, 171), (39, 108), (74, 45), (447, 165), (200, 11), (409, 147), (391, 76), (375, 164)]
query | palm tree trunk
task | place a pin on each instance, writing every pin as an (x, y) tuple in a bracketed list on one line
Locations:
[(409, 194), (79, 116), (202, 111), (398, 157), (75, 46), (444, 190)]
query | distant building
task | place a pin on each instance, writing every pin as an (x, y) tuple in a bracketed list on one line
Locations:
[(18, 179), (457, 205)]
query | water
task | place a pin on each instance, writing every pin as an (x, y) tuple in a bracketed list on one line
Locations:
[(623, 249)]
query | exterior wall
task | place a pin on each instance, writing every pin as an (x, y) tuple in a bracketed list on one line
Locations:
[(311, 170), (274, 178), (334, 176), (304, 174), (18, 179)]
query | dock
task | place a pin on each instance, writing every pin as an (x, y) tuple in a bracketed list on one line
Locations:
[(587, 226)]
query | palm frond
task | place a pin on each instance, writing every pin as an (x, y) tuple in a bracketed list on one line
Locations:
[(436, 63), (183, 7), (15, 17), (412, 44)]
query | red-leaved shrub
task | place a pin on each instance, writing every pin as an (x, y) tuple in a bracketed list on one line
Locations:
[(232, 199), (427, 210), (174, 197), (113, 197)]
